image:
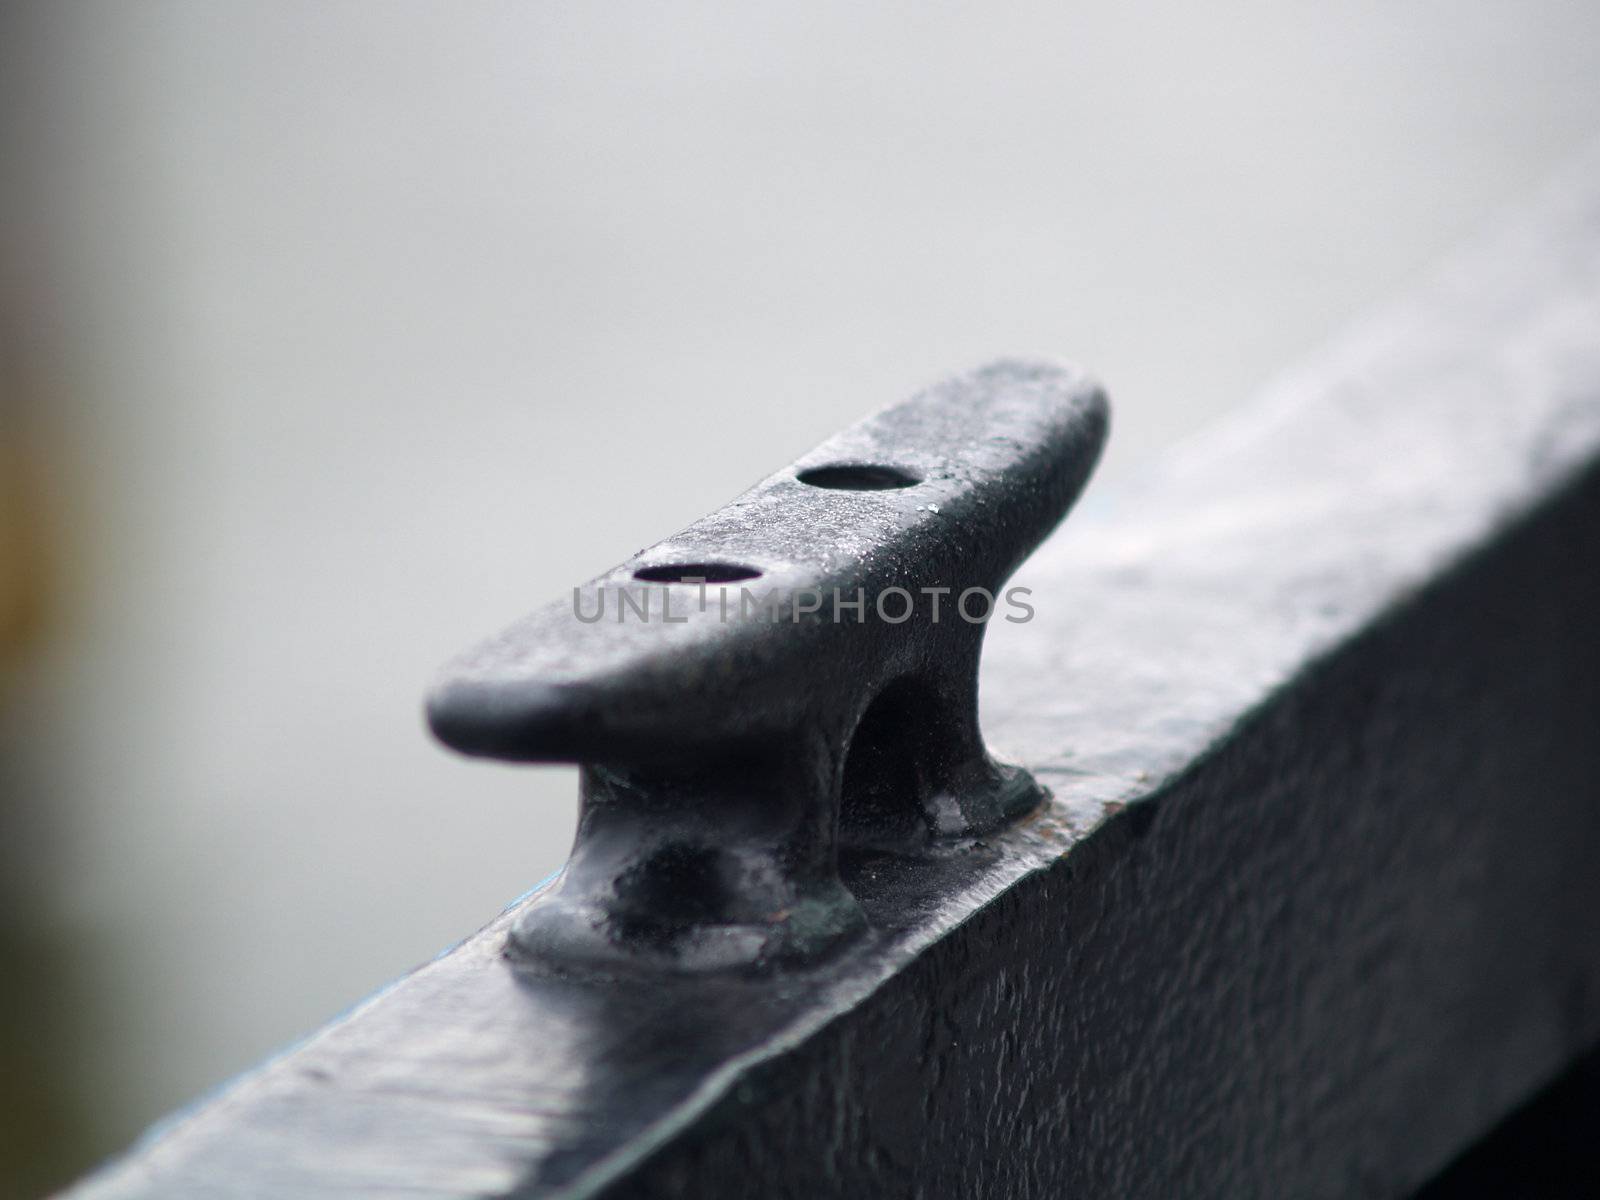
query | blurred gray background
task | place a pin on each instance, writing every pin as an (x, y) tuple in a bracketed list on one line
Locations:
[(335, 335)]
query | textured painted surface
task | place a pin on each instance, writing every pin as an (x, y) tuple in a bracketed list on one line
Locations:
[(1315, 902), (716, 686)]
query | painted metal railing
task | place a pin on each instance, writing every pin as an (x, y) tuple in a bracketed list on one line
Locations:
[(1292, 890)]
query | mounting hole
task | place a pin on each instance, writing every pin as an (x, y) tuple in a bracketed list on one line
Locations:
[(709, 572), (858, 477)]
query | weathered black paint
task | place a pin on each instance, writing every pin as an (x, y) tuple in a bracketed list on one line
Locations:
[(727, 746), (1314, 902)]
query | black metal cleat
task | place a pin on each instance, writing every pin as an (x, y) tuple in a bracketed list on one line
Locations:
[(795, 672)]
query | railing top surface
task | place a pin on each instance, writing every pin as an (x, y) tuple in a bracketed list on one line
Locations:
[(1353, 479)]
